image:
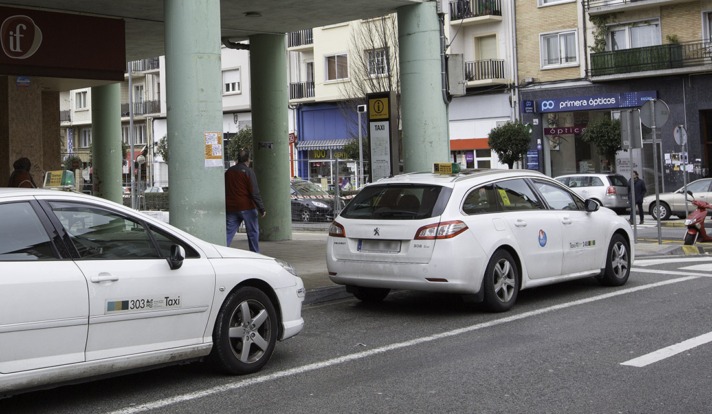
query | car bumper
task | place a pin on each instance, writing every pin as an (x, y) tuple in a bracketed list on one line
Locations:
[(290, 301)]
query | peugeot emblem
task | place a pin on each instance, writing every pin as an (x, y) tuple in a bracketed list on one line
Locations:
[(376, 232)]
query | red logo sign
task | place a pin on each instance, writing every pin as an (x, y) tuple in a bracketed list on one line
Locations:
[(20, 37)]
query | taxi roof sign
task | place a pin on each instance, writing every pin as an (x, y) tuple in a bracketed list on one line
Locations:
[(446, 168)]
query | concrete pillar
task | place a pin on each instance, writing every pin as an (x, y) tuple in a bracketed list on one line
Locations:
[(194, 100), (270, 128), (424, 110), (106, 154)]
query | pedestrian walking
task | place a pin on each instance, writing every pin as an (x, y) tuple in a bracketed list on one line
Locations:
[(21, 176), (243, 202), (638, 187)]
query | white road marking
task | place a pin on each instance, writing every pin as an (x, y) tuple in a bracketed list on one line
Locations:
[(400, 345), (654, 262), (669, 351), (669, 272), (707, 267)]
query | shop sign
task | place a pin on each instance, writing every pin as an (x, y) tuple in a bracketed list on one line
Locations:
[(319, 154), (572, 130), (529, 107), (596, 102)]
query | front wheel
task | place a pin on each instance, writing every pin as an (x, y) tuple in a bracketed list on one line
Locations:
[(690, 239), (501, 282), (245, 332), (617, 262), (305, 216)]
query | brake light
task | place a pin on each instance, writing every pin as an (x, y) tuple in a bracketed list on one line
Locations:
[(336, 230), (610, 190), (444, 230)]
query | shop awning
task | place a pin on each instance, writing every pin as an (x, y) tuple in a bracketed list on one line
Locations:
[(320, 144), (469, 144)]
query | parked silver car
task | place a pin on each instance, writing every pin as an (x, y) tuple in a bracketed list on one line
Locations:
[(673, 204), (609, 190)]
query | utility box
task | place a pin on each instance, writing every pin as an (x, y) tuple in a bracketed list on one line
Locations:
[(456, 75)]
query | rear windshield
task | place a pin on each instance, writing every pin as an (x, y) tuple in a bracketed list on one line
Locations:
[(398, 202), (618, 180)]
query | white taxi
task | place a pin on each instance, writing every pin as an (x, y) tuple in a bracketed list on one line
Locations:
[(90, 288), (485, 234)]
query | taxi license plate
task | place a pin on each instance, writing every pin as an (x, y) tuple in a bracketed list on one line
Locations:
[(379, 246)]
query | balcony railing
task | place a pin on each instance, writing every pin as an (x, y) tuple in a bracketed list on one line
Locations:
[(144, 65), (142, 108), (465, 9), (300, 90), (661, 57), (600, 3), (301, 37), (484, 70)]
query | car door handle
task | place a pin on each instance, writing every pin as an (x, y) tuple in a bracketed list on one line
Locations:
[(520, 223), (104, 277), (566, 220)]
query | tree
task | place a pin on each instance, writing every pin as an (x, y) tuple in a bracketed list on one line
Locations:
[(510, 141), (605, 134), (162, 148), (71, 162), (373, 68), (241, 140)]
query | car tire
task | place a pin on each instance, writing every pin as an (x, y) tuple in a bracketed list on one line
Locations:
[(501, 282), (618, 261), (368, 295), (305, 215), (664, 210), (245, 332)]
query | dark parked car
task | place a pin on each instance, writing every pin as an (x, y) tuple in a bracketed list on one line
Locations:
[(310, 202)]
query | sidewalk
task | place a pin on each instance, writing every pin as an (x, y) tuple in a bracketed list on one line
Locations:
[(307, 253)]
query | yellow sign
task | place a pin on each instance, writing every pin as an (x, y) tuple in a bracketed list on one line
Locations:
[(213, 149), (446, 168), (378, 108)]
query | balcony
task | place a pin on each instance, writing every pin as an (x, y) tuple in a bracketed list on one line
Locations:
[(300, 39), (142, 108), (594, 7), (301, 90), (471, 12), (144, 65), (485, 72), (688, 57)]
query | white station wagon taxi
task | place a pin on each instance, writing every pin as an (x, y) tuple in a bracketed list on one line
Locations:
[(485, 234), (90, 288)]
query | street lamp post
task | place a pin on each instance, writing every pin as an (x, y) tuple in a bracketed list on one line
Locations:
[(360, 109), (140, 160)]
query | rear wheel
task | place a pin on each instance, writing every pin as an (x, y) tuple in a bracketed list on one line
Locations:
[(369, 295), (501, 282), (663, 209), (617, 262), (690, 239), (305, 215)]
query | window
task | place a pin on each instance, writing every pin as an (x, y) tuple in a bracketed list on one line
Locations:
[(515, 195), (639, 34), (139, 134), (80, 100), (377, 62), (483, 158), (231, 82), (486, 47), (85, 138), (557, 198), (559, 49), (550, 2), (337, 67), (396, 202), (481, 200), (29, 239)]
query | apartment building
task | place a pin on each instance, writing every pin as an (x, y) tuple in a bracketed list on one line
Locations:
[(579, 61), (143, 115)]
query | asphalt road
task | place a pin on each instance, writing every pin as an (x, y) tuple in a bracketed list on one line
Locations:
[(575, 347)]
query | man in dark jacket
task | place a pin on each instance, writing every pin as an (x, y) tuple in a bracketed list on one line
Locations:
[(638, 186), (243, 201)]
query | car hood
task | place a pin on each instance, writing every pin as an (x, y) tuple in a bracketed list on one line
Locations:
[(231, 252)]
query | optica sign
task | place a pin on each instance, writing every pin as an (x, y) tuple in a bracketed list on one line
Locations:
[(596, 102)]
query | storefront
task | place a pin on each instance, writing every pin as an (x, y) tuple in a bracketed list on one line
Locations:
[(326, 163)]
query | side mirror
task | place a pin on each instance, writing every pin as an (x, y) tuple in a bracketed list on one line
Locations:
[(175, 260), (591, 205)]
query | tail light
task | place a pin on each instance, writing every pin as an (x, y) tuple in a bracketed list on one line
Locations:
[(336, 230), (444, 230), (610, 190)]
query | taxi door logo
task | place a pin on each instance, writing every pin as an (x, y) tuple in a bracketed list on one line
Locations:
[(20, 37)]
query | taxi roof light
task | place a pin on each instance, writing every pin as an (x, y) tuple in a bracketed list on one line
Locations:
[(446, 168)]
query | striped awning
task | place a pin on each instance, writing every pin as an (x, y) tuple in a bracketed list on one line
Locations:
[(320, 144)]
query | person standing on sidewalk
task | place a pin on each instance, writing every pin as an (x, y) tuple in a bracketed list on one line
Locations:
[(243, 201), (638, 186)]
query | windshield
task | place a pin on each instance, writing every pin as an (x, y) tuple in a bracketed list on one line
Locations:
[(308, 188), (398, 202)]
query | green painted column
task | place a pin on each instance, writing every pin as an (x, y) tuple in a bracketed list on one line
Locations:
[(270, 128), (423, 108), (106, 154), (194, 99)]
